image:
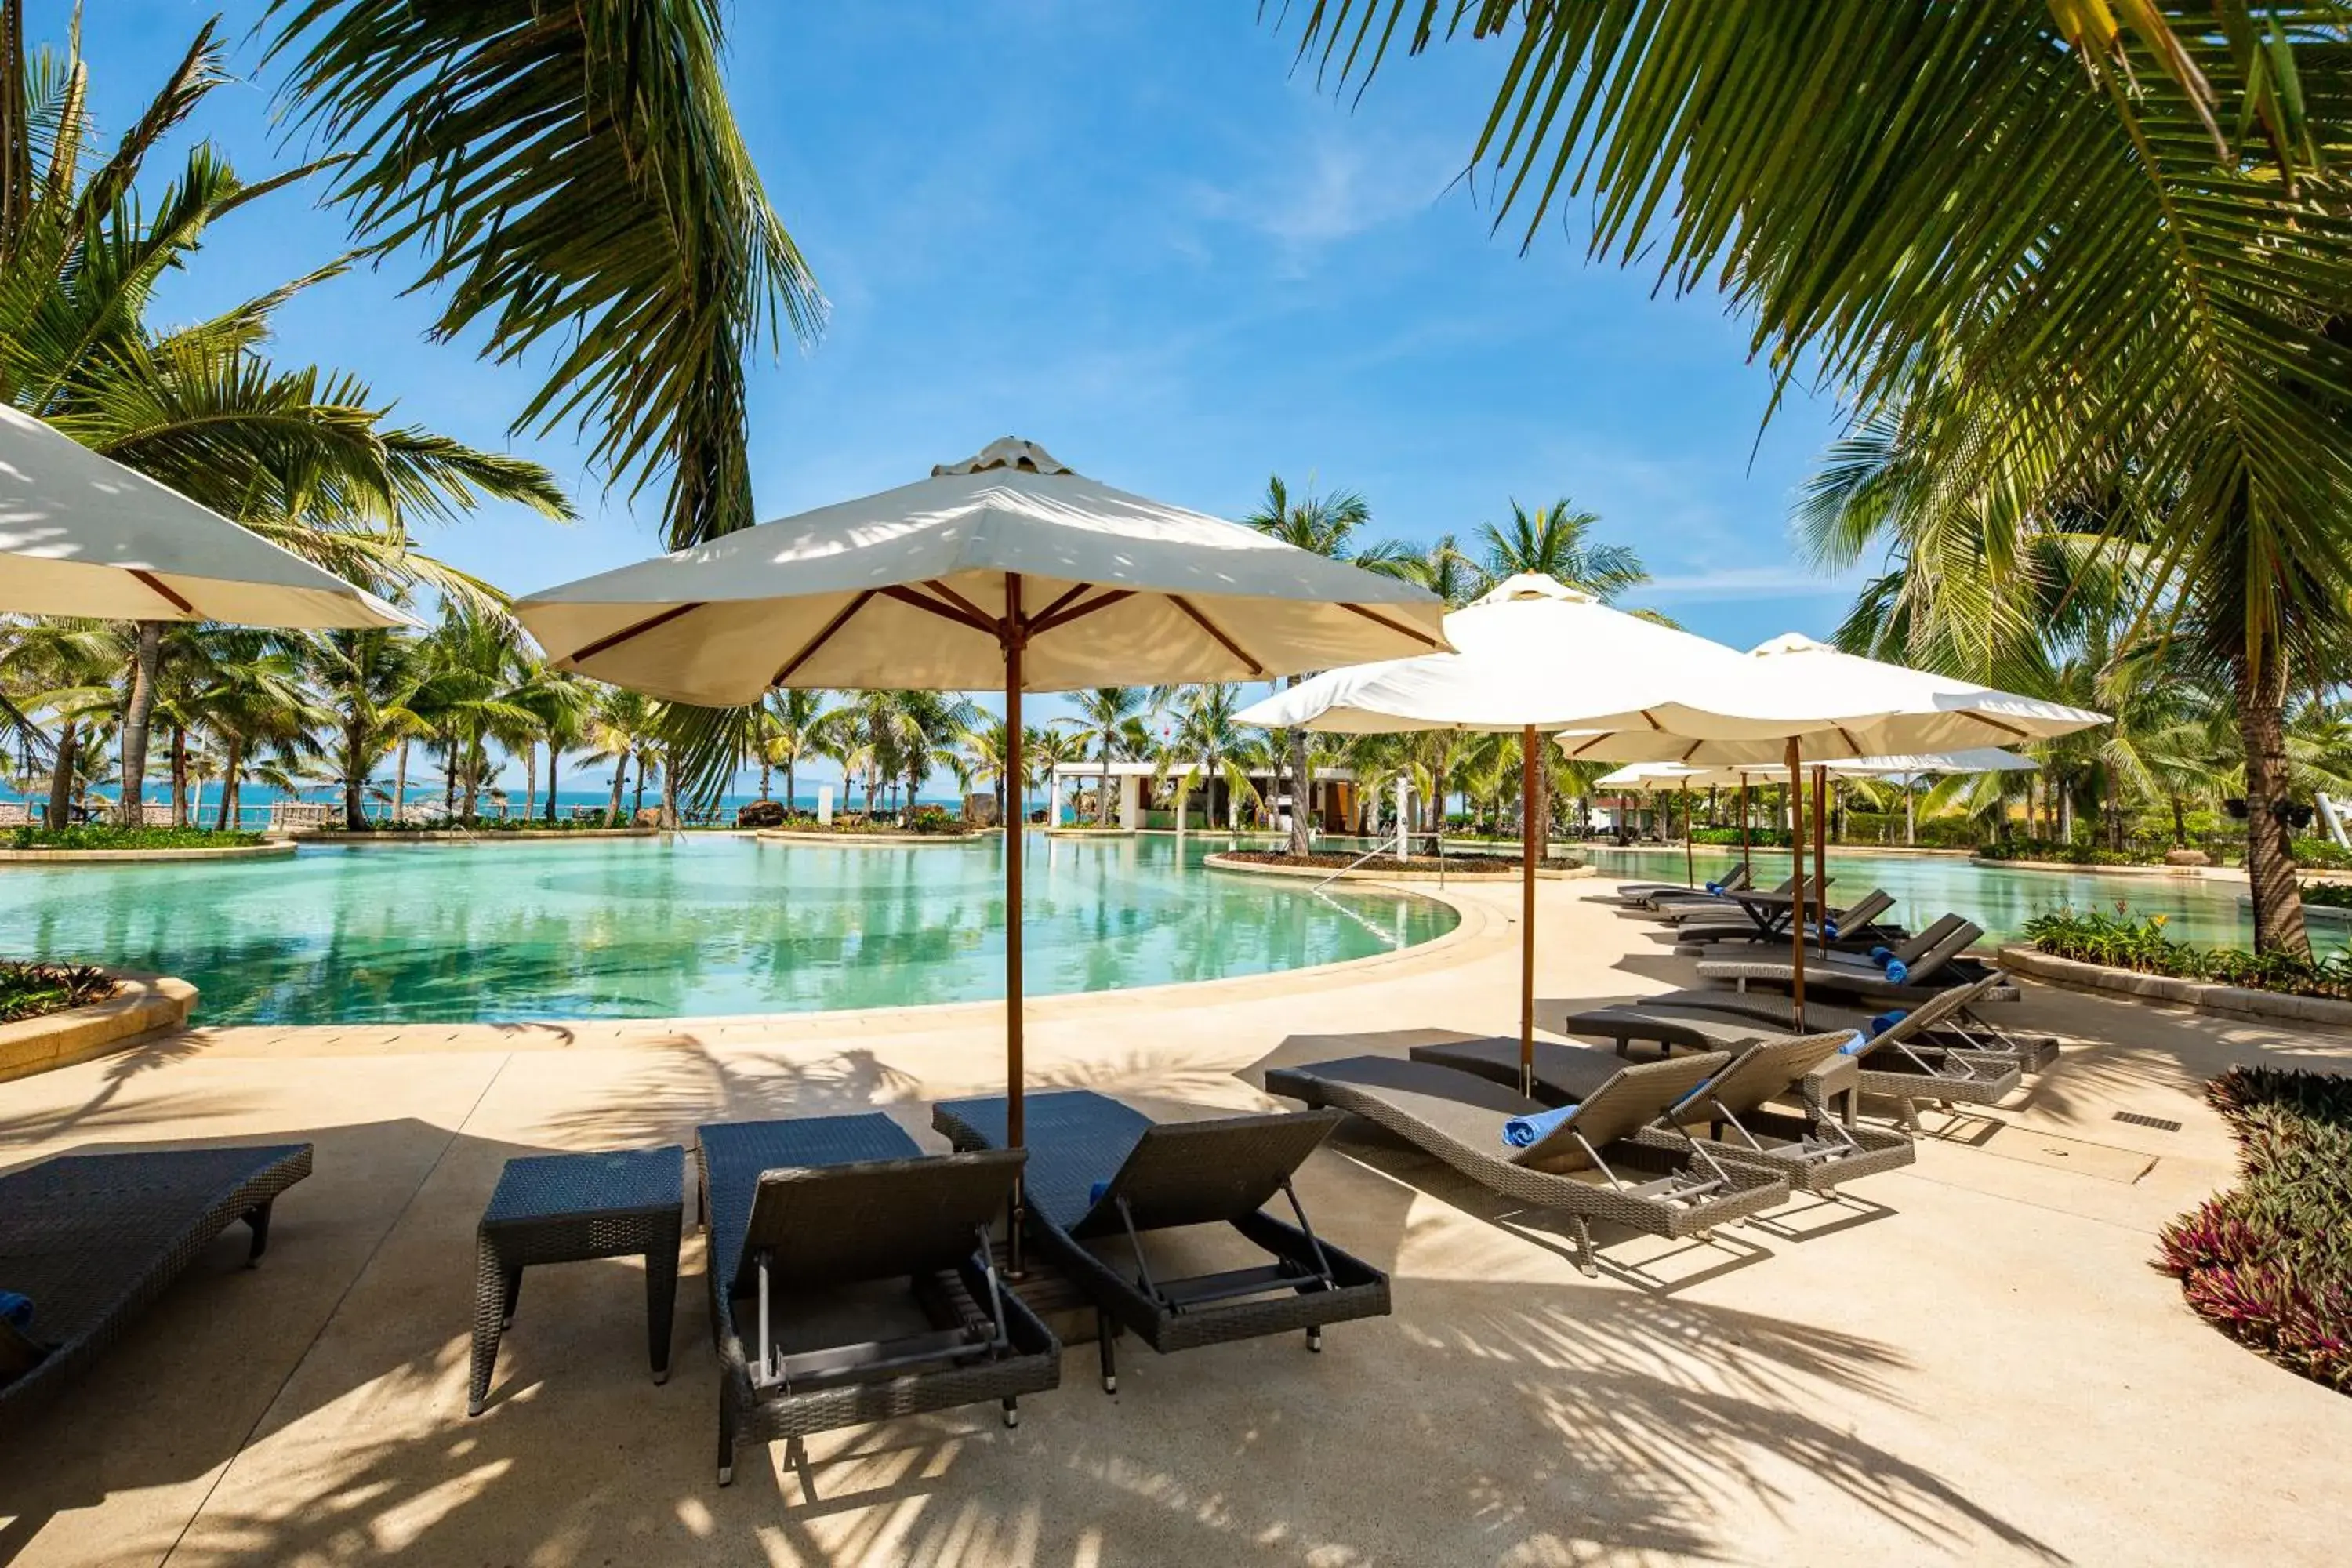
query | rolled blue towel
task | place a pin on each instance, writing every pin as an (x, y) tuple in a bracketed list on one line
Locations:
[(1855, 1044), (1829, 930), (1095, 1193), (1897, 972), (1715, 886), (1881, 954), (1885, 1021), (16, 1310), (1527, 1131)]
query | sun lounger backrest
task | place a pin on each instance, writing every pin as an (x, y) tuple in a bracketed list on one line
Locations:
[(1925, 940), (1939, 1007), (1763, 1071), (878, 1219), (1947, 947), (1207, 1172), (1866, 909), (1629, 1101)]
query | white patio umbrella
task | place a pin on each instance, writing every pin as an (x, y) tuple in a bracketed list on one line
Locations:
[(82, 535), (1528, 658), (1792, 693), (1005, 570)]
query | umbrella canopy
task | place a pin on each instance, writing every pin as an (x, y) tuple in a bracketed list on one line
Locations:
[(1680, 775), (1532, 653), (910, 588), (82, 535), (1836, 704), (1511, 648), (1005, 570)]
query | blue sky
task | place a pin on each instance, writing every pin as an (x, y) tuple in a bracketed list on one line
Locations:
[(1133, 234)]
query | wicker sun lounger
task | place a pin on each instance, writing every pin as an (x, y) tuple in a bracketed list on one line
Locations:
[(801, 1214), (1948, 1018), (1813, 1152), (93, 1240), (1639, 893), (1855, 929), (1661, 899), (1896, 1064), (1102, 1172), (1606, 1162), (1937, 966), (1682, 912)]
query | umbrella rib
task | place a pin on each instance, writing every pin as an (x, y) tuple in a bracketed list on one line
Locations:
[(625, 633), (1050, 622), (971, 617), (1983, 718), (824, 637), (152, 581), (1048, 613), (1210, 626), (960, 602), (1397, 627)]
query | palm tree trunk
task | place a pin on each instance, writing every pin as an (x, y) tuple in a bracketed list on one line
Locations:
[(767, 774), (620, 777), (791, 793), (354, 785), (61, 774), (178, 775), (233, 764), (637, 803), (669, 794), (1102, 793), (136, 717), (473, 773), (2261, 727), (2179, 826), (400, 783), (555, 757), (449, 778)]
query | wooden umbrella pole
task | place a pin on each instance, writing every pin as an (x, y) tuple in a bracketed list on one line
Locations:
[(1015, 636), (1690, 877), (1743, 830), (1531, 772), (1797, 884), (1821, 856)]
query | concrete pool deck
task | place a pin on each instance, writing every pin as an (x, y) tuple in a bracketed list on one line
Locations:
[(1972, 1361)]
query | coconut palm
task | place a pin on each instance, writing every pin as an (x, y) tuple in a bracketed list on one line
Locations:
[(1102, 714), (1206, 743), (1445, 570), (304, 457), (369, 679), (797, 721), (1044, 748), (1556, 541), (2110, 252), (64, 670), (1329, 525), (617, 730), (257, 710)]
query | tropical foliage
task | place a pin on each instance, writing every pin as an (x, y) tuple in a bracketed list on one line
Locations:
[(2085, 295), (2120, 941), (2270, 1261)]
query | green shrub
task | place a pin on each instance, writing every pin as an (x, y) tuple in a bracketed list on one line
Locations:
[(2120, 941), (31, 990), (1759, 837), (2332, 895), (2322, 853), (2270, 1262), (100, 836), (2071, 854)]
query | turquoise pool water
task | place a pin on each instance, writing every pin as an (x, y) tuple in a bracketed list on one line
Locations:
[(701, 925), (2197, 909)]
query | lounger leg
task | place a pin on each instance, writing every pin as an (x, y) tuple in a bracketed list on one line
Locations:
[(1910, 1114), (1011, 1412), (1585, 1261), (1315, 1339), (493, 1301), (726, 1436), (513, 1295), (258, 1220), (1106, 1332), (661, 1303)]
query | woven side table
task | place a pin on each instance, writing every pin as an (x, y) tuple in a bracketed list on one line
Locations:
[(566, 1208)]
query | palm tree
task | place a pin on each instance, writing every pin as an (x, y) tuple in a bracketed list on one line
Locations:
[(1209, 746), (65, 670), (2060, 269), (797, 718), (254, 703), (302, 457), (1324, 525), (615, 733), (1103, 711), (1044, 748), (1446, 570), (369, 678), (1556, 541)]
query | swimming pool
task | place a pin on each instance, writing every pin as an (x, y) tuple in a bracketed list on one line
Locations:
[(2202, 910), (701, 924)]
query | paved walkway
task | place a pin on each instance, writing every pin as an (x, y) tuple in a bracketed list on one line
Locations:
[(1972, 1361)]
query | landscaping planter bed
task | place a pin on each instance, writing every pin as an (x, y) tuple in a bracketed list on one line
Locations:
[(140, 1004), (276, 849), (1384, 869), (819, 835), (2237, 1001)]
